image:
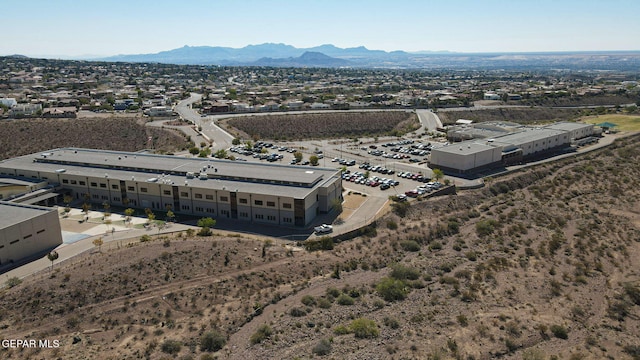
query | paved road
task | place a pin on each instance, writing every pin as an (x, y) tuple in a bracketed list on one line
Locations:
[(429, 121), (221, 139)]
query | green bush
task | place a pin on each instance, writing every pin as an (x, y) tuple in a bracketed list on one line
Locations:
[(401, 272), (486, 227), (324, 303), (391, 322), (308, 300), (364, 328), (341, 330), (345, 299), (410, 245), (171, 346), (560, 331), (212, 341), (392, 289), (264, 332)]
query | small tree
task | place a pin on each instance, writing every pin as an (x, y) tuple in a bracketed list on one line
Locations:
[(437, 174), (85, 209), (235, 141), (206, 224), (212, 341), (170, 215), (129, 213), (298, 156), (52, 256), (98, 243), (67, 199), (313, 160)]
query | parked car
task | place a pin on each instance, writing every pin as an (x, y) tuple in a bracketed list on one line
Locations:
[(323, 229)]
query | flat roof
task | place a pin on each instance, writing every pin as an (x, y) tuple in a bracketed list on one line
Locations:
[(12, 213), (527, 135), (281, 180), (464, 148), (568, 126)]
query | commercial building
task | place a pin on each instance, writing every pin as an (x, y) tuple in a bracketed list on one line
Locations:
[(27, 231), (508, 145), (253, 192)]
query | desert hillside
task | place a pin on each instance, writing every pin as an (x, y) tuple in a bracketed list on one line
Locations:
[(539, 264)]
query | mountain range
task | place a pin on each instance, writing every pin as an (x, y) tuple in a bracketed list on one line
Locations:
[(282, 55)]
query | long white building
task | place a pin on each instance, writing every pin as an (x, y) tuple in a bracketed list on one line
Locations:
[(263, 193)]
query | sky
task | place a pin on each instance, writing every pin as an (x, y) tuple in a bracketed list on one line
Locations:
[(94, 28)]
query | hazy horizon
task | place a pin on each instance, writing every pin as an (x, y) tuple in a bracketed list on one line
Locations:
[(66, 29)]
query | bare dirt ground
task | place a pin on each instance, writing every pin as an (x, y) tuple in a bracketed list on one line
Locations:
[(539, 263)]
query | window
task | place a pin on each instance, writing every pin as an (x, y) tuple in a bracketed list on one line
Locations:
[(257, 202), (210, 210), (184, 194), (209, 197), (95, 196), (185, 207), (259, 216), (166, 192), (40, 231), (198, 196), (287, 220), (199, 209), (224, 212), (94, 184), (271, 204), (224, 198), (271, 218), (131, 188), (143, 189), (114, 187), (73, 182), (115, 198), (102, 185), (13, 242), (65, 181), (286, 206), (243, 201), (104, 197), (83, 183), (244, 214), (27, 236)]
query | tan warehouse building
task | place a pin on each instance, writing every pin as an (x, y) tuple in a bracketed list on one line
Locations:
[(264, 193), (27, 231)]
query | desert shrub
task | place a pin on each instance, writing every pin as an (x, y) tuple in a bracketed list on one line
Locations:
[(559, 331), (462, 320), (308, 300), (324, 243), (400, 208), (364, 328), (341, 330), (333, 292), (471, 255), (401, 272), (297, 312), (212, 341), (264, 332), (324, 303), (633, 292), (345, 299), (410, 245), (13, 281), (486, 227), (145, 238), (322, 348), (390, 322), (392, 225), (633, 351), (171, 346), (392, 289)]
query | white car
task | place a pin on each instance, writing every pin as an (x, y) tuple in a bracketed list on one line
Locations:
[(323, 229)]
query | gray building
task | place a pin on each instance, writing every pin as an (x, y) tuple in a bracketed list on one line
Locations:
[(254, 192), (509, 145), (27, 231)]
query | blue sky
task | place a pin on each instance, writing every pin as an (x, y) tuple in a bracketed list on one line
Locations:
[(73, 28)]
